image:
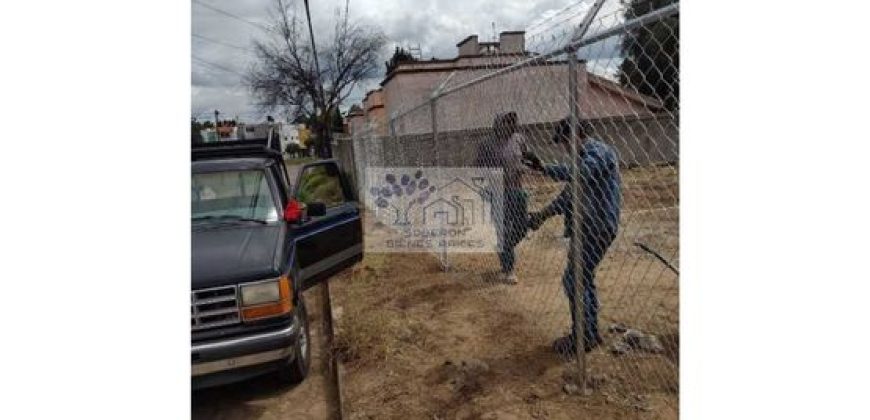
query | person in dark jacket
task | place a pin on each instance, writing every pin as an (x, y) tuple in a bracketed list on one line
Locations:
[(504, 150), (601, 205)]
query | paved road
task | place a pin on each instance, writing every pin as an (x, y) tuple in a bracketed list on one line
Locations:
[(265, 397)]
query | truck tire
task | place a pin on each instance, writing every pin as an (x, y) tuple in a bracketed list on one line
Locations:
[(297, 369)]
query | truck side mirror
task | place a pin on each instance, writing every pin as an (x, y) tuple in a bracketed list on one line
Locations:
[(294, 211), (316, 209)]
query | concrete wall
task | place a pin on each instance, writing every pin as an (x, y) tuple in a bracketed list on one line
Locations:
[(639, 141)]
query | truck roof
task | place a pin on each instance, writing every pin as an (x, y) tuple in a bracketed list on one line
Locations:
[(236, 149), (231, 164)]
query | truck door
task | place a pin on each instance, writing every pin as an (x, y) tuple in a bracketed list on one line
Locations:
[(327, 243)]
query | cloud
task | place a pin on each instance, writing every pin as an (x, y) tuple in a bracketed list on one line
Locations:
[(435, 26)]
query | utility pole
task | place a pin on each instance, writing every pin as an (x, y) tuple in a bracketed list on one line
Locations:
[(325, 123), (326, 304), (217, 136)]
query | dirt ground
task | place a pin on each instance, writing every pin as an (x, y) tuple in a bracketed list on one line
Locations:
[(265, 397), (418, 342)]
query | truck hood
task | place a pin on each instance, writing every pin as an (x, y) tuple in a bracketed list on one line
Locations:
[(234, 253)]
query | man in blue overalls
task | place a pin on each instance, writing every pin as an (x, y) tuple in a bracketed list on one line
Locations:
[(601, 202)]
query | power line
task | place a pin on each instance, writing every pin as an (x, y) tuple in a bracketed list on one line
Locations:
[(217, 66), (214, 41), (233, 16)]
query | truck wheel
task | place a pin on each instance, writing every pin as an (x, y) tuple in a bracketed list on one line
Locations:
[(297, 369)]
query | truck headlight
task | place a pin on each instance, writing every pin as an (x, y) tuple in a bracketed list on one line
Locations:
[(264, 299), (261, 292)]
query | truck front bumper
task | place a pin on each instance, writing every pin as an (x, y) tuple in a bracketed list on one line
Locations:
[(219, 362)]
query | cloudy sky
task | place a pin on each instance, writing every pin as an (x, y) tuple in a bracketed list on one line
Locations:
[(223, 32)]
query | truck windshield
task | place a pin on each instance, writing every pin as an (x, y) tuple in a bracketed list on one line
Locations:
[(232, 195)]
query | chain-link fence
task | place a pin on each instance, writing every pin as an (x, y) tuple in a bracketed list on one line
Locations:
[(586, 119)]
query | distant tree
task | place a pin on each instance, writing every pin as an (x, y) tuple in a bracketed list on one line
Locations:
[(284, 76), (400, 55), (195, 131), (293, 149), (652, 54), (305, 137), (337, 121)]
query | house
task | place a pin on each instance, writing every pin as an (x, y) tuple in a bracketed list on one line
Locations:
[(537, 92), (254, 131), (374, 110), (287, 133), (290, 134), (354, 120), (228, 132), (369, 115), (209, 135)]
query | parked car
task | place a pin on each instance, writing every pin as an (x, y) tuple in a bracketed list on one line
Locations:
[(258, 243)]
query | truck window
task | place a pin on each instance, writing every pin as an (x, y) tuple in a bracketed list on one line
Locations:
[(321, 183), (242, 194)]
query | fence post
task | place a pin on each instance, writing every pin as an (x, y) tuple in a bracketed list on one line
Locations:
[(575, 254), (433, 111), (382, 159), (353, 168), (363, 158)]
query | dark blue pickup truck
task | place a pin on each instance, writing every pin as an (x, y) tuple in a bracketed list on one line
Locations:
[(258, 243)]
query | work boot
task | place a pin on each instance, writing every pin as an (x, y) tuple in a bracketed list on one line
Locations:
[(510, 278)]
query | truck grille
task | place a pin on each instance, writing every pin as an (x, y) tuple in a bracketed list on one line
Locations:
[(214, 307)]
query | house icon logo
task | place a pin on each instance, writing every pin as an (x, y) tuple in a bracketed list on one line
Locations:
[(448, 212), (465, 202), (450, 208)]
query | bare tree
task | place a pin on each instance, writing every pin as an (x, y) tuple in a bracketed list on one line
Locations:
[(285, 77)]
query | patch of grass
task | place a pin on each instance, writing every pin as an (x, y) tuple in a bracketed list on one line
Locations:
[(376, 327), (368, 332), (365, 337)]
